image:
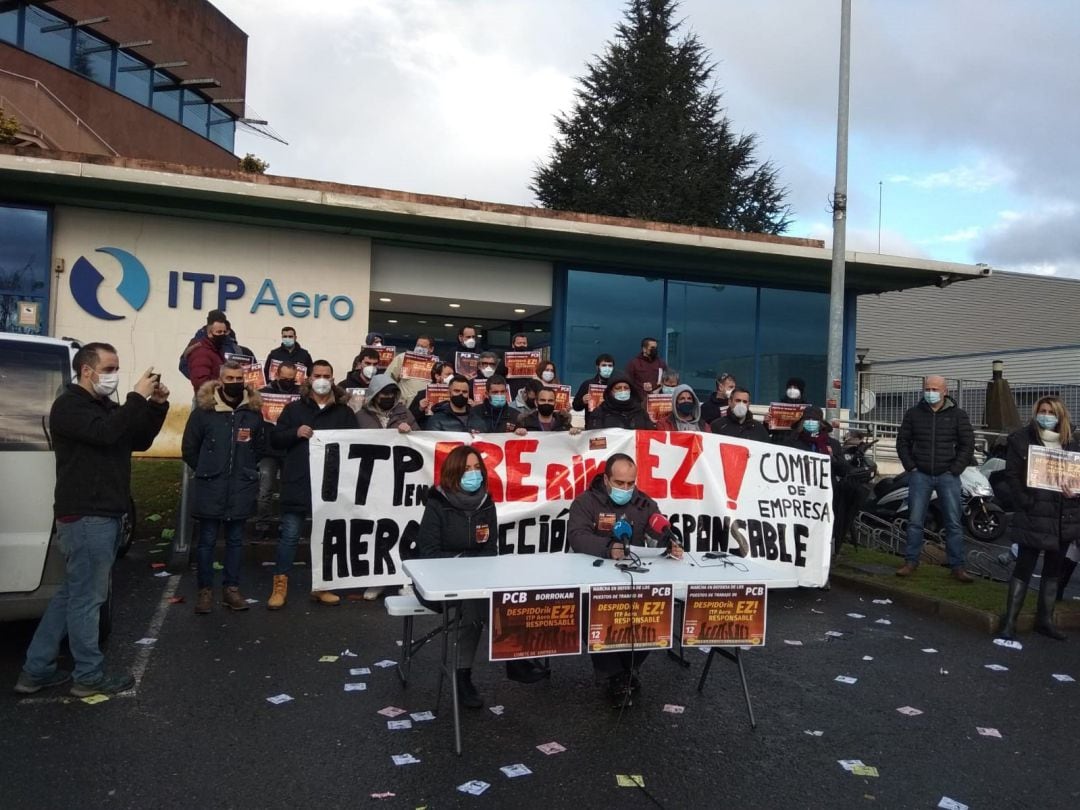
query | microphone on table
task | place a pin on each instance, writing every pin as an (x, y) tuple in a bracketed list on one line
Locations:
[(621, 532), (660, 528)]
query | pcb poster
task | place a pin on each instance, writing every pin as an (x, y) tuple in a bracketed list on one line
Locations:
[(724, 615), (535, 623), (625, 617)]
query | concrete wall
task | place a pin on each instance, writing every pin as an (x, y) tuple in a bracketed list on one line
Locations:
[(295, 261)]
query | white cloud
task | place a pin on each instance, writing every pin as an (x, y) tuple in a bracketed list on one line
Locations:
[(865, 240), (983, 176), (962, 235)]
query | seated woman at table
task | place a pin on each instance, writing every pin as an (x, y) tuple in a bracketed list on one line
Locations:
[(460, 521)]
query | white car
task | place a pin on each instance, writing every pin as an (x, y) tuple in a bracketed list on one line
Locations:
[(33, 371)]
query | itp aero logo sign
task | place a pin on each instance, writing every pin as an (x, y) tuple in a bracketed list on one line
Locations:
[(86, 280)]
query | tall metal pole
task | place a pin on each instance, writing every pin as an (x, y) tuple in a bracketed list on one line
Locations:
[(836, 288), (880, 200)]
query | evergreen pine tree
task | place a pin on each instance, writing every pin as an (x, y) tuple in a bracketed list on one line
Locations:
[(647, 138)]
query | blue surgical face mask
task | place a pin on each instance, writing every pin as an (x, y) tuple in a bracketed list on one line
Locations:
[(667, 389), (498, 400), (472, 480), (605, 371), (932, 397), (811, 426), (1047, 421), (621, 396), (288, 343), (622, 496)]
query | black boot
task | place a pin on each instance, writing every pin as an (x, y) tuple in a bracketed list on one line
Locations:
[(526, 671), (466, 692), (1044, 619), (1017, 592), (1067, 568)]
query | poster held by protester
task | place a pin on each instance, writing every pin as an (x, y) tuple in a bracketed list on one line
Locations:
[(625, 617), (563, 396), (436, 393), (1053, 469), (520, 365), (479, 389), (274, 404), (467, 364), (535, 623), (724, 615), (595, 396), (386, 355), (357, 398), (658, 406), (416, 366), (253, 371), (783, 415), (301, 371)]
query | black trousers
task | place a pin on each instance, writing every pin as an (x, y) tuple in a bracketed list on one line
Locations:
[(611, 664)]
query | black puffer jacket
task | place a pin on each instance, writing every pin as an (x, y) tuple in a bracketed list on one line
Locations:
[(223, 446), (448, 531), (936, 442), (749, 428), (614, 414), (593, 516), (1043, 519), (295, 474)]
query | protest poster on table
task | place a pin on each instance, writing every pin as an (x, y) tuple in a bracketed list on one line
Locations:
[(724, 615), (535, 623), (630, 617), (274, 404), (416, 366), (783, 415), (769, 506), (1053, 469), (520, 365), (301, 371)]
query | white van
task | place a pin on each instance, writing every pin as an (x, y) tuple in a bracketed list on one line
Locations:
[(33, 371)]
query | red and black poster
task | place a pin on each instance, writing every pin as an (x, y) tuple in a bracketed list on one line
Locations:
[(624, 617), (724, 616), (536, 623)]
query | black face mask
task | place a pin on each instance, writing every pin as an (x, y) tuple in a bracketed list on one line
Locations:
[(546, 409), (217, 340), (233, 390), (286, 385), (459, 400), (685, 408), (385, 403), (651, 354)]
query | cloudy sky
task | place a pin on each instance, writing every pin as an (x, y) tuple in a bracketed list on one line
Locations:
[(964, 111)]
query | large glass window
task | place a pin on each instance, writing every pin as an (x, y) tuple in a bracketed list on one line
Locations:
[(93, 58), (31, 377), (9, 24), (133, 78), (222, 128), (794, 342), (24, 268), (196, 111), (166, 102), (54, 45), (607, 312)]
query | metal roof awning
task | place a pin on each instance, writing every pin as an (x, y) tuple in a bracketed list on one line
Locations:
[(455, 225)]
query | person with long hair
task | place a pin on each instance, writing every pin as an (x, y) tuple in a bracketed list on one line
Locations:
[(1045, 521), (460, 521)]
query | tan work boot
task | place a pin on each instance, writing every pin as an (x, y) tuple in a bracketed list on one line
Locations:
[(960, 575), (907, 569), (281, 591), (325, 597), (204, 602), (231, 598)]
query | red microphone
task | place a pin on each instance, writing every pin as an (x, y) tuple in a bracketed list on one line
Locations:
[(660, 527)]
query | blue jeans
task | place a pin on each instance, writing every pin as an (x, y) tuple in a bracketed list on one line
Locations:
[(291, 524), (234, 550), (920, 487), (89, 546)]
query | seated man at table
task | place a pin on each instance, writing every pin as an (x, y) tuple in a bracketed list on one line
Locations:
[(604, 520)]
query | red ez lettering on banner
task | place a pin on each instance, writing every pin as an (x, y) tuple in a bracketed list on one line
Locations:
[(509, 486), (680, 486)]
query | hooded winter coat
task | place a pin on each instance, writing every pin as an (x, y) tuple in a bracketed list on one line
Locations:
[(443, 418), (295, 475), (1043, 520), (485, 418), (223, 446), (672, 421), (593, 516), (614, 414), (370, 417), (204, 362), (936, 442)]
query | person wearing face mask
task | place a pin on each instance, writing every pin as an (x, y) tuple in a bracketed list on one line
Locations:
[(1045, 521), (419, 407), (547, 373), (669, 381), (716, 404), (605, 367), (92, 438), (739, 422), (467, 341), (408, 386), (685, 412), (270, 463), (935, 443), (207, 354), (545, 418), (322, 406), (644, 370), (611, 516), (223, 443), (452, 415), (518, 343), (373, 339), (495, 414), (290, 351), (811, 433), (795, 391), (228, 344), (487, 365), (621, 408), (364, 366), (382, 407), (525, 401)]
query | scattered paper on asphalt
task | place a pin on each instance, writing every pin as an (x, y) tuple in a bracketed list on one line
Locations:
[(397, 725), (882, 621), (997, 667), (848, 764), (929, 650), (909, 638), (910, 711), (635, 780), (517, 769), (814, 733), (1064, 678), (951, 804), (92, 699), (868, 658), (157, 551), (162, 574), (391, 711), (856, 616), (404, 759), (497, 709), (551, 748), (793, 642), (328, 659), (176, 600), (360, 671), (819, 612), (420, 717), (267, 564), (671, 708), (153, 518), (474, 786), (219, 566), (251, 601), (882, 601), (988, 732), (943, 671), (864, 770), (278, 699), (704, 650), (386, 663), (347, 653), (355, 687), (845, 679), (168, 534), (386, 795), (147, 642), (1012, 644), (833, 633)]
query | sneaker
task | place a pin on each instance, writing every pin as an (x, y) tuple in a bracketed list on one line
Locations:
[(108, 685), (325, 598), (907, 569), (231, 598), (204, 602), (28, 684), (371, 594), (960, 575), (407, 590)]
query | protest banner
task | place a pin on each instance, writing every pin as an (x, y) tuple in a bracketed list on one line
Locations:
[(479, 389), (724, 615), (520, 365), (417, 366), (1053, 469), (467, 364), (535, 623), (720, 494), (625, 617), (782, 415), (436, 393), (595, 396), (301, 371), (274, 404), (658, 406), (563, 396)]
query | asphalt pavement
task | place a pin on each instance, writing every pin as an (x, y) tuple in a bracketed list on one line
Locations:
[(199, 731)]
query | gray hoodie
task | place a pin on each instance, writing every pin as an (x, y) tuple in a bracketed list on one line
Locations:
[(372, 418), (679, 422)]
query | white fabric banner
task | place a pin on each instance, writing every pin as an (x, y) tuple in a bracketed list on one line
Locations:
[(368, 489)]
